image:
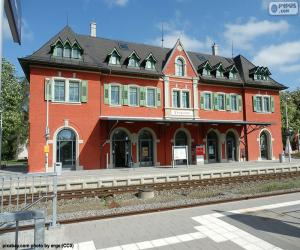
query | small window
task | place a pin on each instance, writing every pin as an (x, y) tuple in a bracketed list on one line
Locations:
[(206, 72), (149, 64), (221, 101), (266, 104), (73, 91), (151, 97), (185, 99), (234, 103), (114, 59), (176, 98), (179, 67), (67, 51), (76, 52), (115, 95), (59, 90), (207, 101), (133, 96), (58, 50), (133, 62), (219, 74), (232, 75), (259, 104)]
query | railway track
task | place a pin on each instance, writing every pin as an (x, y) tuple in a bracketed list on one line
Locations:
[(19, 199)]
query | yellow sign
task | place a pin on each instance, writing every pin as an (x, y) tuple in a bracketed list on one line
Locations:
[(145, 151), (46, 149)]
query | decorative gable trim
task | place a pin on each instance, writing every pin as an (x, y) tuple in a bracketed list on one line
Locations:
[(134, 53), (114, 50)]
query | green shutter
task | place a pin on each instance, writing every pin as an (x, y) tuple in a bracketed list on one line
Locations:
[(228, 102), (158, 97), (272, 104), (84, 91), (240, 103), (48, 89), (202, 100), (143, 96), (254, 103), (215, 101), (125, 94), (106, 93)]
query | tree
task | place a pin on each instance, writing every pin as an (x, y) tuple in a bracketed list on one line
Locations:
[(13, 103), (292, 99)]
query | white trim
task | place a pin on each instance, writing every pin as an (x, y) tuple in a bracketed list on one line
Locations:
[(54, 142), (219, 144), (146, 96), (269, 143), (138, 96), (237, 144), (154, 146), (180, 98), (224, 95), (120, 94)]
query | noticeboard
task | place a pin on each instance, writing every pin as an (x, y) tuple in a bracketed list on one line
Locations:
[(180, 153)]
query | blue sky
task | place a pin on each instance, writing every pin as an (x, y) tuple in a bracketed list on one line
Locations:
[(272, 41)]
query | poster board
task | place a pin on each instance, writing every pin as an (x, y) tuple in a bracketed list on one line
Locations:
[(180, 153)]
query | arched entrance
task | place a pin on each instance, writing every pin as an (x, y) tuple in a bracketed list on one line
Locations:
[(146, 149), (212, 147), (264, 146), (231, 147), (66, 148), (121, 149), (181, 139)]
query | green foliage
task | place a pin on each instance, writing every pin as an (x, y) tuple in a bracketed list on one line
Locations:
[(292, 99), (14, 102)]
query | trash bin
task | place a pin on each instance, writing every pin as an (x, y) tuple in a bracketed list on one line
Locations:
[(58, 168), (281, 157)]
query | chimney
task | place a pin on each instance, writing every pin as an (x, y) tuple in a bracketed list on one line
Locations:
[(93, 29), (215, 49)]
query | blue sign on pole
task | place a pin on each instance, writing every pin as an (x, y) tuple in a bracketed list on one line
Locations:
[(14, 17)]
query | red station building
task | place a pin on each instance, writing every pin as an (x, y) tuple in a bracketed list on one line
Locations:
[(100, 103)]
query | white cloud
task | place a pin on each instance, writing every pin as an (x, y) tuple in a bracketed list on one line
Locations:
[(279, 55), (243, 34), (120, 3), (290, 68)]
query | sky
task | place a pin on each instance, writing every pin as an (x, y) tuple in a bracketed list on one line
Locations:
[(272, 41)]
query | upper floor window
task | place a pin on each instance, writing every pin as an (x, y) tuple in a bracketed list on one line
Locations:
[(263, 103), (266, 103), (234, 103), (150, 97), (179, 67), (232, 75), (207, 101), (76, 54), (59, 90), (206, 72), (133, 96), (185, 99), (176, 98), (219, 73), (150, 64), (67, 50), (115, 95), (221, 101), (114, 58), (74, 91)]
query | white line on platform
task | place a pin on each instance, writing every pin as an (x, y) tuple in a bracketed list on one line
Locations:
[(212, 227)]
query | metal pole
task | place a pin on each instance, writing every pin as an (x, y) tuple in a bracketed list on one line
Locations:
[(47, 127), (1, 45), (54, 202), (287, 130)]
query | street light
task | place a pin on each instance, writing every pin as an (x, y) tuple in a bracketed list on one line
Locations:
[(287, 132)]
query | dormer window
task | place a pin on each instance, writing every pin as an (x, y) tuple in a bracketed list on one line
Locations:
[(133, 61), (67, 50), (76, 54), (206, 69), (218, 68), (179, 67), (114, 58), (206, 72), (150, 62), (232, 72), (58, 50), (260, 73), (219, 74)]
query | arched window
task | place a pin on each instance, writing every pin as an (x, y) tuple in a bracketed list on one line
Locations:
[(265, 150), (121, 149), (66, 148), (67, 50), (181, 139), (212, 147), (179, 67), (58, 50), (150, 64)]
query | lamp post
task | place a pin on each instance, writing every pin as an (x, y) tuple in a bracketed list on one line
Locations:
[(287, 130)]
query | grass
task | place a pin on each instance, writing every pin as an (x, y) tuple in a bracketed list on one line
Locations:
[(296, 155), (15, 162)]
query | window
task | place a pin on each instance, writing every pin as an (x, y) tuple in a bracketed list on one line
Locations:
[(67, 51), (179, 67), (133, 62), (114, 58), (76, 52), (115, 95), (266, 106), (221, 101), (259, 104), (151, 97), (59, 90), (207, 101), (219, 73), (73, 91), (149, 64), (185, 99), (206, 72), (176, 98), (58, 50), (133, 96), (234, 103), (232, 75)]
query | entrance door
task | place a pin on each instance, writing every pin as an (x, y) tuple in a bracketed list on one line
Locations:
[(264, 146), (230, 147), (181, 140), (212, 147), (66, 148), (121, 149), (146, 149)]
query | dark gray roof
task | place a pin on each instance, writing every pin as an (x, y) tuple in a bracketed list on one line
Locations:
[(96, 50)]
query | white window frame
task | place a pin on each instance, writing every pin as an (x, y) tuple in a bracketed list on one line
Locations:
[(138, 96), (184, 66), (120, 94), (68, 90), (176, 89), (211, 101), (224, 99), (263, 111), (66, 80), (237, 103), (149, 106), (181, 97)]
